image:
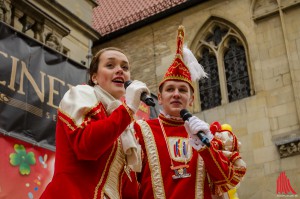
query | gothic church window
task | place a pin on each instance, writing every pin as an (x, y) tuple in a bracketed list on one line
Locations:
[(222, 52), (238, 85), (210, 93)]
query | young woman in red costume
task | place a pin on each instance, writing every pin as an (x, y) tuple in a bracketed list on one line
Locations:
[(176, 164), (95, 149)]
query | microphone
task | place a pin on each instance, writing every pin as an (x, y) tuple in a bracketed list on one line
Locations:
[(185, 115), (144, 96)]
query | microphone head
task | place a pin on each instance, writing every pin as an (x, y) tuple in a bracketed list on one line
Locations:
[(127, 83), (185, 115)]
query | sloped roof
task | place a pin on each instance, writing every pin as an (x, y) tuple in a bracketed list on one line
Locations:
[(112, 15)]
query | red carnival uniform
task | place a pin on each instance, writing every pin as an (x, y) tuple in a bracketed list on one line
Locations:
[(181, 171), (89, 158)]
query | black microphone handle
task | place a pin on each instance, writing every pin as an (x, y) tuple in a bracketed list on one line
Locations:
[(147, 99), (144, 96), (203, 138), (127, 83), (185, 114)]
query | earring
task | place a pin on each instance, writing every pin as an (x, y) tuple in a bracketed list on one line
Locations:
[(95, 82)]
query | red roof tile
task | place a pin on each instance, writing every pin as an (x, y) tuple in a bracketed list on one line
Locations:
[(112, 15)]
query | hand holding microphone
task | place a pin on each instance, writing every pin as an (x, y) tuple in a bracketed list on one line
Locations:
[(197, 129), (135, 92), (145, 97)]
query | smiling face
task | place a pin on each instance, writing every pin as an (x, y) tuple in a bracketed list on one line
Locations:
[(175, 96), (113, 71)]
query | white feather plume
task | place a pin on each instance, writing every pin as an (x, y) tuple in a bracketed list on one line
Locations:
[(196, 69)]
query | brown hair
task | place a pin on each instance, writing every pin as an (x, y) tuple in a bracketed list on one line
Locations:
[(160, 88), (95, 62)]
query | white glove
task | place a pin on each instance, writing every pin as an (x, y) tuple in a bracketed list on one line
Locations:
[(195, 143), (193, 126), (133, 94)]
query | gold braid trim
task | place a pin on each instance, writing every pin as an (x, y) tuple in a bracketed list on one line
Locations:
[(67, 123), (85, 112), (200, 178), (219, 167), (235, 175), (153, 159), (103, 174), (111, 187), (170, 121), (130, 112)]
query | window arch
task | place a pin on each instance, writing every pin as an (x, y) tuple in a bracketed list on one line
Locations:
[(222, 52)]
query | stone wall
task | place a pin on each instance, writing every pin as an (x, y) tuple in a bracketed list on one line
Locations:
[(267, 122), (62, 25)]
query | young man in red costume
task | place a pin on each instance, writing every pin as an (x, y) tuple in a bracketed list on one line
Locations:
[(176, 164), (95, 150)]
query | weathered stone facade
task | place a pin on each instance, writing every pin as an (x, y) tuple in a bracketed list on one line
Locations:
[(269, 31), (64, 26)]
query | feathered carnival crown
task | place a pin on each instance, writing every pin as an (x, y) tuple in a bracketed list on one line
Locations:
[(185, 66)]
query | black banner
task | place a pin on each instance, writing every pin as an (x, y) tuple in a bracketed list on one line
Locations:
[(33, 79)]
